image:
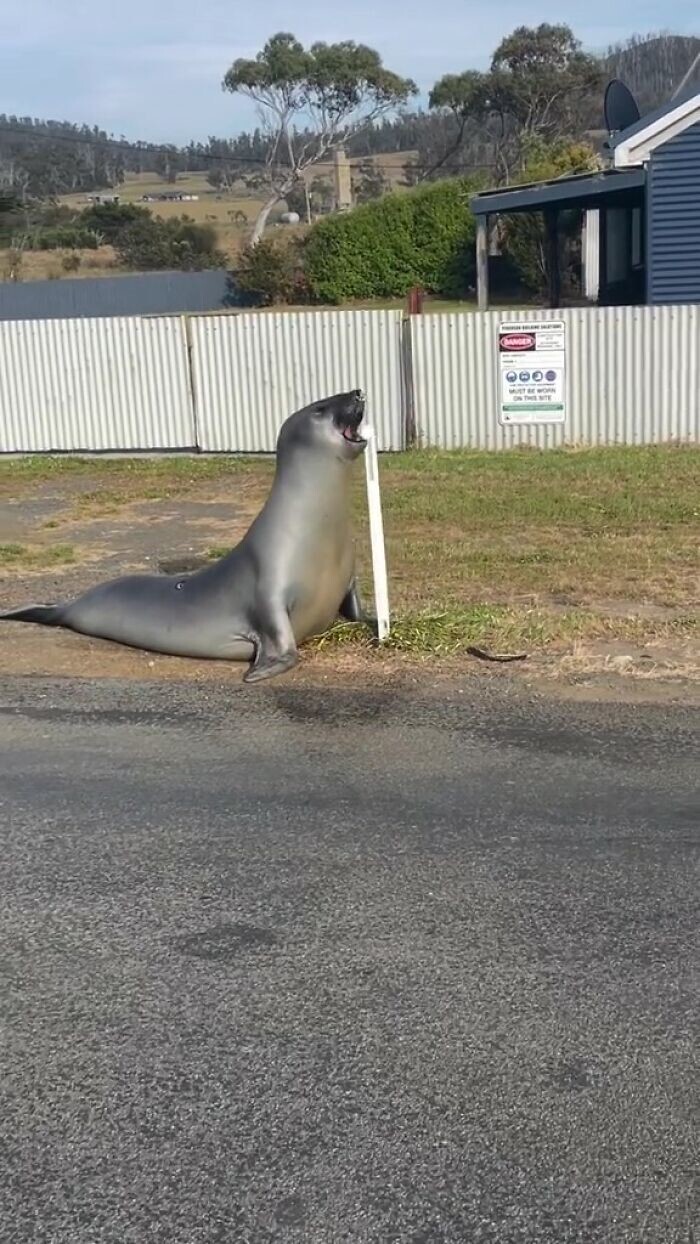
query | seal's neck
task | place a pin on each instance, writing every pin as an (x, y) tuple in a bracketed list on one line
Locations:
[(315, 475)]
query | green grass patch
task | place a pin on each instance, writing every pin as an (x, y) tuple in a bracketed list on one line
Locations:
[(173, 469), (594, 489), (450, 631), (576, 526), (37, 558)]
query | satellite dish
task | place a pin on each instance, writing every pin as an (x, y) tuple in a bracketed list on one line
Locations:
[(619, 106)]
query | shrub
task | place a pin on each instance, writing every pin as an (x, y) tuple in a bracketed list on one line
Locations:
[(65, 237), (71, 262), (110, 219), (424, 237), (48, 215), (143, 245), (149, 244), (269, 273)]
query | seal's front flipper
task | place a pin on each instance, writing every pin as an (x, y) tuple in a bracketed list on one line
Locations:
[(269, 664), (275, 651)]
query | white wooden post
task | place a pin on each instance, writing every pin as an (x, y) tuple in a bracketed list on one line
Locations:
[(376, 532)]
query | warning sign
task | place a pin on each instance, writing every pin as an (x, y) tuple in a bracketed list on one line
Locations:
[(532, 372)]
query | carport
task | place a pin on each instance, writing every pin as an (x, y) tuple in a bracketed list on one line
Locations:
[(618, 198)]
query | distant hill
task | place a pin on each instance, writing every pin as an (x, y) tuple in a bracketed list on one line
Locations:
[(654, 66), (50, 158)]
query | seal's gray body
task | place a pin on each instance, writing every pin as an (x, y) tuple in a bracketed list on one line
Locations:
[(289, 578)]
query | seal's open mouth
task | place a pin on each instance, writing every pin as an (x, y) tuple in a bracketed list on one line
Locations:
[(351, 433), (348, 423)]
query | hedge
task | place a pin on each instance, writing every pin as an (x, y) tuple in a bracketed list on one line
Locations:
[(422, 237)]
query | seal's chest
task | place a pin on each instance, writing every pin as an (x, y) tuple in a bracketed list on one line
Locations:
[(315, 597)]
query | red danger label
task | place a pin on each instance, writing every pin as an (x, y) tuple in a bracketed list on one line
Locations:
[(516, 341)]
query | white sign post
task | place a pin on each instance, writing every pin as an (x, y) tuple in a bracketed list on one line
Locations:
[(532, 372), (376, 532)]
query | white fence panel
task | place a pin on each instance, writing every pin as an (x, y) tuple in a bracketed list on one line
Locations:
[(120, 384), (94, 384), (251, 371), (633, 378)]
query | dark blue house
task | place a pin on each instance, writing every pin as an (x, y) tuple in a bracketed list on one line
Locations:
[(641, 214)]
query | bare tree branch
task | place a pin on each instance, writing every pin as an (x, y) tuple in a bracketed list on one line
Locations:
[(343, 88)]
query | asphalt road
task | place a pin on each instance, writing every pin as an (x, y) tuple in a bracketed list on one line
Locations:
[(323, 966)]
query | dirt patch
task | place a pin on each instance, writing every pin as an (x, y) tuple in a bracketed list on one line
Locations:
[(129, 536)]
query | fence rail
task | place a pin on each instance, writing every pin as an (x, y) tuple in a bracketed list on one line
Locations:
[(226, 382)]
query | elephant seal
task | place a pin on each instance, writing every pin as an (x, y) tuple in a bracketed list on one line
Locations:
[(291, 575)]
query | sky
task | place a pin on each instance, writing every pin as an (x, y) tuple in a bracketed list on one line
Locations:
[(152, 69)]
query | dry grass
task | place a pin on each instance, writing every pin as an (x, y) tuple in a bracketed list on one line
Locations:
[(173, 474), (50, 265), (657, 661), (126, 483), (232, 216), (136, 186)]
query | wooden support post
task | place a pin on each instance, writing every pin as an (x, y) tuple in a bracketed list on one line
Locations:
[(482, 262), (551, 219)]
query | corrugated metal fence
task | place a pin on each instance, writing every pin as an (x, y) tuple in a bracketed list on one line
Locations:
[(94, 385), (632, 378), (251, 371), (227, 382)]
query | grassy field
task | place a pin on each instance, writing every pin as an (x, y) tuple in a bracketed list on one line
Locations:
[(522, 548), (223, 211), (233, 215)]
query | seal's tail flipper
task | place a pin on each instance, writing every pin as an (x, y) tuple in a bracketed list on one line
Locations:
[(44, 615)]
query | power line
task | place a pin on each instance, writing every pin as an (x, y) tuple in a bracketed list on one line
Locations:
[(134, 149)]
